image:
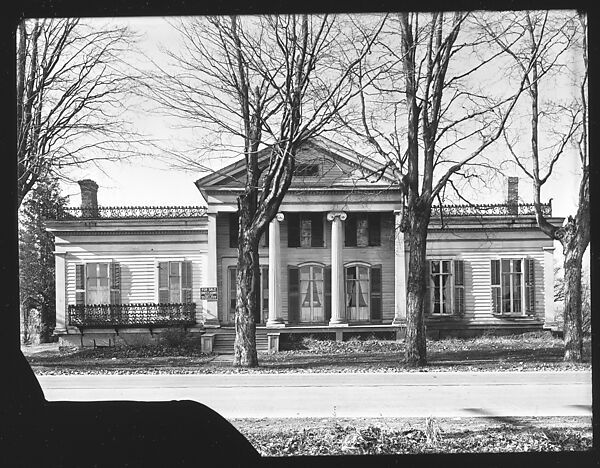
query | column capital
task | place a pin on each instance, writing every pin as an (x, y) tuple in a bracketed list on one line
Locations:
[(279, 217), (333, 214)]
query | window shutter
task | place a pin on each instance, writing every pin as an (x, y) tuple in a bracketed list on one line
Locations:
[(350, 230), (80, 284), (186, 282), (376, 292), (233, 230), (428, 288), (293, 294), (327, 289), (374, 223), (496, 289), (293, 225), (163, 282), (115, 283), (529, 266), (316, 230), (459, 287)]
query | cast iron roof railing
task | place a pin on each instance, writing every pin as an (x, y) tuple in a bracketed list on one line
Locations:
[(147, 315), (489, 210), (125, 212)]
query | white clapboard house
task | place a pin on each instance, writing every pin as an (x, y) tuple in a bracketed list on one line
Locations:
[(333, 261)]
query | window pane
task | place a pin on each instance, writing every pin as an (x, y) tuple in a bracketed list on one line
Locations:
[(446, 293), (505, 266), (517, 292), (174, 268), (505, 292), (362, 232), (435, 266), (304, 273), (517, 265), (92, 270), (446, 266), (305, 232)]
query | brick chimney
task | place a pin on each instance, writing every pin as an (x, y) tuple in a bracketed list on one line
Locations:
[(512, 195), (89, 198)]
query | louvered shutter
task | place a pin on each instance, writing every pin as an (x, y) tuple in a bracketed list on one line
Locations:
[(376, 292), (163, 282), (529, 266), (428, 289), (293, 294), (115, 283), (186, 282), (80, 284), (316, 226), (496, 288), (374, 223), (350, 230), (459, 287), (327, 288), (293, 225), (233, 230)]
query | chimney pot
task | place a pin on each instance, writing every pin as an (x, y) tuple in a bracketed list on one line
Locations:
[(512, 195), (89, 198)]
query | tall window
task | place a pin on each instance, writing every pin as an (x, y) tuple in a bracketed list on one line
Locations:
[(512, 286), (362, 230), (98, 283), (445, 287), (264, 294), (305, 229), (174, 282), (312, 299), (357, 292)]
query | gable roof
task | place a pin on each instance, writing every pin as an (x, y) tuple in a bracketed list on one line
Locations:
[(345, 168)]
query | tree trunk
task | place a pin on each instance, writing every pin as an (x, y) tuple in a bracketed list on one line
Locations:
[(416, 236), (573, 250), (248, 284)]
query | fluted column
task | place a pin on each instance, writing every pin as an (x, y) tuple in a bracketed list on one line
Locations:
[(338, 307), (61, 292), (275, 319)]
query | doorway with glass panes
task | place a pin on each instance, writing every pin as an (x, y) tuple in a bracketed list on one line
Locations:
[(263, 313)]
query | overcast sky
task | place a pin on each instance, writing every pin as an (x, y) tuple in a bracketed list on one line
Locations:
[(151, 181)]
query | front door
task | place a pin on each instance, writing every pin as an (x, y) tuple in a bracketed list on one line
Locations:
[(357, 293)]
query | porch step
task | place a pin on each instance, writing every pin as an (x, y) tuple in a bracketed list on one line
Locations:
[(225, 338)]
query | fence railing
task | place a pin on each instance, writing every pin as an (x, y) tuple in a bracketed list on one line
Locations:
[(131, 315), (525, 209), (124, 212)]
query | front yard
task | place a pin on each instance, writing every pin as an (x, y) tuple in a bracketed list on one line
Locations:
[(532, 351), (388, 436)]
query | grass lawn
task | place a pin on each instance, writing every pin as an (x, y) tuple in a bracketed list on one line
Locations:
[(379, 436), (531, 351)]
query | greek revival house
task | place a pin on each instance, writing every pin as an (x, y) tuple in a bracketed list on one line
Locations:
[(333, 261)]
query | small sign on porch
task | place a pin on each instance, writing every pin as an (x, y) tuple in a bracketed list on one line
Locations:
[(209, 293)]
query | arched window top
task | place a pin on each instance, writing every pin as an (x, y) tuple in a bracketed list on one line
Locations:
[(357, 263), (311, 263)]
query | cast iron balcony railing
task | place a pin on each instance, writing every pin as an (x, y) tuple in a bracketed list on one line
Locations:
[(125, 212), (148, 315), (489, 210)]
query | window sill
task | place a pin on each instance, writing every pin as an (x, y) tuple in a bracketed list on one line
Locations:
[(515, 316)]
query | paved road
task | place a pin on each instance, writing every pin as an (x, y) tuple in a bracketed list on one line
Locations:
[(442, 394)]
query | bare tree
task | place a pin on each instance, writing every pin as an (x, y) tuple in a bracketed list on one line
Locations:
[(69, 97), (438, 117), (561, 121), (256, 81)]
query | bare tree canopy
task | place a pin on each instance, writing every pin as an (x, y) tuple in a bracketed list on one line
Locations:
[(557, 131), (429, 109), (69, 97), (256, 81)]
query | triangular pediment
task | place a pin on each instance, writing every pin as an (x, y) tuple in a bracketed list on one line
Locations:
[(320, 163)]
